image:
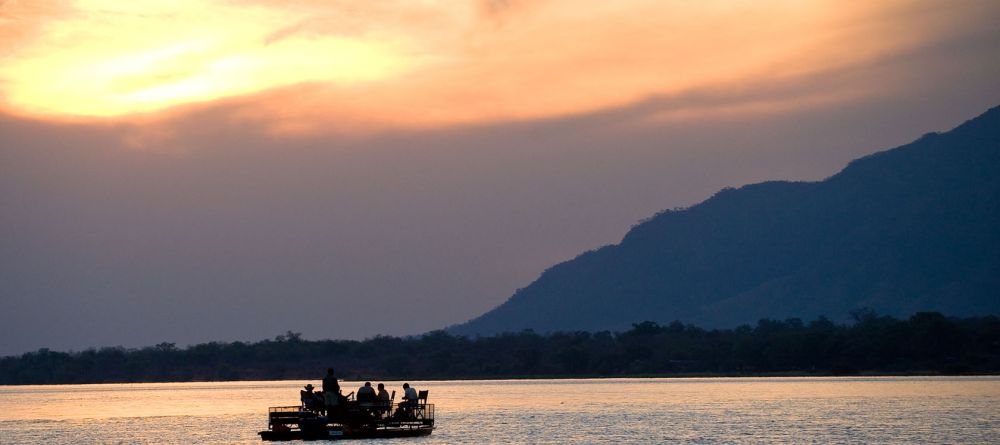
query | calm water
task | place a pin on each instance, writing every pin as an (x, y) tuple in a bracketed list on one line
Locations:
[(711, 410)]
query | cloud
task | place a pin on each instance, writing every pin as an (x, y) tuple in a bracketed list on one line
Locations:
[(422, 202), (419, 228), (364, 66)]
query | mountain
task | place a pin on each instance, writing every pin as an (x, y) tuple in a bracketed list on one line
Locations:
[(914, 228)]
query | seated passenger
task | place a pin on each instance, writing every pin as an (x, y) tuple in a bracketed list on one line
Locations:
[(307, 396), (319, 400), (366, 394), (383, 395), (409, 394)]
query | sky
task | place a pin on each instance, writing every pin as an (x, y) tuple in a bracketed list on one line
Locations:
[(231, 170)]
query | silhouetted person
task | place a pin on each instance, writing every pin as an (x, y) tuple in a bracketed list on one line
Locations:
[(383, 395), (384, 401), (331, 391), (366, 394), (409, 402), (409, 394), (309, 398)]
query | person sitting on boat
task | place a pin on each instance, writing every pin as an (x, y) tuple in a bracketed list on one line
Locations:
[(366, 394), (309, 398), (320, 404), (406, 407), (409, 394), (383, 395), (331, 391)]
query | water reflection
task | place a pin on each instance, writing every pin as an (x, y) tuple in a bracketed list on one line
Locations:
[(741, 410)]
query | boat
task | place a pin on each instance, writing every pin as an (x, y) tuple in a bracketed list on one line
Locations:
[(351, 420)]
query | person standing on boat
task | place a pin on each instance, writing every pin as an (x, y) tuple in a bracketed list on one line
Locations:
[(331, 391)]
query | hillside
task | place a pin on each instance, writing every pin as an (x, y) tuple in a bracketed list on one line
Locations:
[(914, 228)]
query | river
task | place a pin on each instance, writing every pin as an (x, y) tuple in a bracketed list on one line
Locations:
[(911, 410)]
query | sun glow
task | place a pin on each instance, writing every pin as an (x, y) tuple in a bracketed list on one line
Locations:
[(116, 58), (308, 64)]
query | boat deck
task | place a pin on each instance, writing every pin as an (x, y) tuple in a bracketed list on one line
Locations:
[(351, 420)]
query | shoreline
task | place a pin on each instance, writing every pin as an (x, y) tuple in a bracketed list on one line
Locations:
[(775, 375), (873, 346)]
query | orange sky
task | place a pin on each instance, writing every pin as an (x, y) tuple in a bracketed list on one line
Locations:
[(307, 65), (169, 168)]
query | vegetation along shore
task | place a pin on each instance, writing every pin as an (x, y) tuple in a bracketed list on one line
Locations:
[(925, 343)]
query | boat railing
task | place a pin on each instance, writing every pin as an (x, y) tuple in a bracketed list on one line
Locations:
[(425, 413), (403, 411), (401, 415), (284, 416)]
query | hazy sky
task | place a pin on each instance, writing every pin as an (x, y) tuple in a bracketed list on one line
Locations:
[(229, 170)]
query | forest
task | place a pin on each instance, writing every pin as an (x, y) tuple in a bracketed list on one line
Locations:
[(926, 343)]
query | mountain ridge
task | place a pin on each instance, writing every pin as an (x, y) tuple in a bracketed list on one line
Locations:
[(901, 230)]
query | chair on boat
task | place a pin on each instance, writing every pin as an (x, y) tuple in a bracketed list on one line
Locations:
[(407, 409), (309, 401), (383, 408), (386, 408), (420, 411)]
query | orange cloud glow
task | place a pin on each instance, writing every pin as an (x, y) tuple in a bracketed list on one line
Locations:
[(306, 65)]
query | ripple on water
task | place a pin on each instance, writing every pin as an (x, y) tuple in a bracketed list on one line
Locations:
[(689, 411)]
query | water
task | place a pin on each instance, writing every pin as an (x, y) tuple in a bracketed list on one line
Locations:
[(696, 411)]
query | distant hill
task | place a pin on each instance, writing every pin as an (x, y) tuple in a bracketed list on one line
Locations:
[(914, 228)]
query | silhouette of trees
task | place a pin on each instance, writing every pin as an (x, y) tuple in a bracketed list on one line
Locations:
[(926, 343)]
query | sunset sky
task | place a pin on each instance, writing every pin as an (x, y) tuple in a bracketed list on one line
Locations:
[(229, 170)]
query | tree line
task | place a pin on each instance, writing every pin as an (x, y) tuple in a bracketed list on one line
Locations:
[(925, 343)]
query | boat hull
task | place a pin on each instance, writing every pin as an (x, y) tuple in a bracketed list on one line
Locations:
[(339, 434)]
